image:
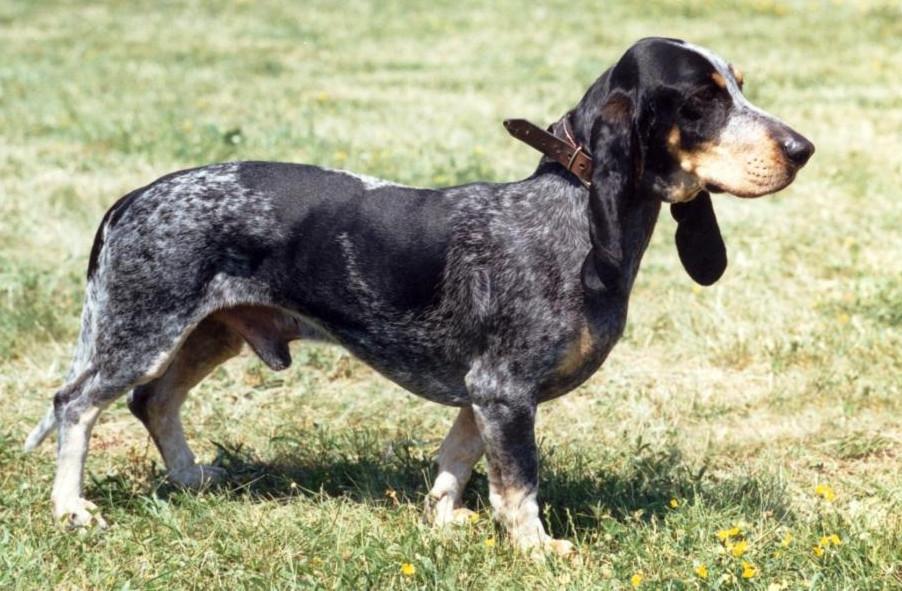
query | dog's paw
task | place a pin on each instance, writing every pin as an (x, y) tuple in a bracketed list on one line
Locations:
[(197, 476), (78, 513), (445, 511), (557, 548), (562, 548), (541, 547), (459, 516)]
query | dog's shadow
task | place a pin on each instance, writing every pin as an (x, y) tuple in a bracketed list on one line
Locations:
[(578, 490)]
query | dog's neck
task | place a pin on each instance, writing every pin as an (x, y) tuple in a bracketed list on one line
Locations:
[(558, 144), (637, 217)]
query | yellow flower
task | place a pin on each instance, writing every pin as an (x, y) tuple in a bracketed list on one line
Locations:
[(490, 542), (702, 571), (726, 534), (787, 540), (473, 518), (739, 548), (834, 539), (818, 550), (636, 580), (408, 570), (825, 492), (674, 503), (748, 570)]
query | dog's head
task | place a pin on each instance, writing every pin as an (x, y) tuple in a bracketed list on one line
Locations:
[(673, 118)]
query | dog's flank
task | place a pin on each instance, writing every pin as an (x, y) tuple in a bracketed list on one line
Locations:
[(489, 297)]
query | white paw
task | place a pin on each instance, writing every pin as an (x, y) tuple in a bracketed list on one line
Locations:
[(77, 512), (197, 476), (538, 547), (550, 547), (561, 548), (447, 511)]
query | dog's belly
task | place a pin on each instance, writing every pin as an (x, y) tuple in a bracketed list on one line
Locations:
[(430, 376), (422, 368)]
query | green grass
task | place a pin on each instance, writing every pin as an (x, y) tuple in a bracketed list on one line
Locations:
[(736, 401)]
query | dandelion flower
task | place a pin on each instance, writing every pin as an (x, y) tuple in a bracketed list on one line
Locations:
[(702, 571), (490, 542), (739, 548), (473, 518), (825, 491), (818, 550), (636, 580), (787, 540), (725, 534), (408, 570), (748, 570), (674, 503)]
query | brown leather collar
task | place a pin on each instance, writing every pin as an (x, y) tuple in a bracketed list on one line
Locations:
[(567, 152)]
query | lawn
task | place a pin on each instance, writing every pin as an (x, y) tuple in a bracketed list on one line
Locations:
[(743, 436)]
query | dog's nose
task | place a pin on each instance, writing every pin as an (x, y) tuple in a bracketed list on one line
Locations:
[(797, 149)]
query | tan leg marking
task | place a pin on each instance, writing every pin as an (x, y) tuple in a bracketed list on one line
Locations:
[(517, 510), (209, 345), (459, 452), (515, 507)]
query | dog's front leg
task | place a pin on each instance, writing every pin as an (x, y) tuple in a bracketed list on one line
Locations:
[(505, 415), (459, 452)]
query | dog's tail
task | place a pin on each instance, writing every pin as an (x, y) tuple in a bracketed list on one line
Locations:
[(78, 371), (41, 430)]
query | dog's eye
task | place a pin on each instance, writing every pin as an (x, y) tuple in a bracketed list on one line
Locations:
[(706, 94), (694, 108), (691, 111)]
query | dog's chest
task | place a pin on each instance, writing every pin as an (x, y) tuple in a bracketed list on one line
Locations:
[(574, 362)]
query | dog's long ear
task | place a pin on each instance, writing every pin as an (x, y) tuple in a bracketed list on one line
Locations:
[(614, 158), (698, 239)]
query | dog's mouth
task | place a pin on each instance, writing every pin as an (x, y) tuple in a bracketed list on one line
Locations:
[(756, 186)]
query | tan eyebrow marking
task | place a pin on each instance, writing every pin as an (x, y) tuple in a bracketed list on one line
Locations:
[(719, 80), (737, 74)]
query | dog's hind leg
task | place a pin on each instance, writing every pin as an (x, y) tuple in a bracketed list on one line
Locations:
[(158, 402), (457, 455), (77, 406), (123, 355)]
